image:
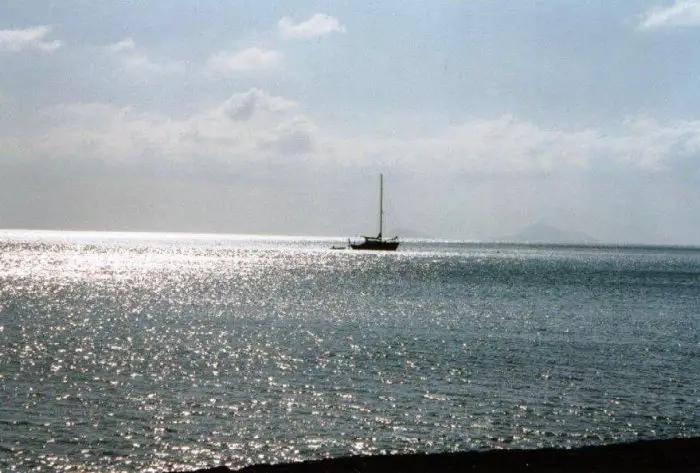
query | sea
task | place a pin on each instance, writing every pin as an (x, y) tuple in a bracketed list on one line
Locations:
[(160, 352)]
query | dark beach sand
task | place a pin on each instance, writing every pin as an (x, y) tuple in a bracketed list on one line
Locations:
[(674, 455)]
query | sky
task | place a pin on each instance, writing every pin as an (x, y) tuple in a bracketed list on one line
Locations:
[(277, 117)]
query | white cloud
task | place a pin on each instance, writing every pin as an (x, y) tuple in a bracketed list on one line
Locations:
[(317, 25), (28, 38), (135, 60), (682, 13), (652, 146), (296, 136), (127, 44), (251, 59), (254, 125), (511, 147), (138, 61), (246, 105), (246, 127)]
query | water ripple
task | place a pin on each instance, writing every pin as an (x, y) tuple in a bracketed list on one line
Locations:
[(151, 356)]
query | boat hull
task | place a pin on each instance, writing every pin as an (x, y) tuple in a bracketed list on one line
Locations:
[(377, 245)]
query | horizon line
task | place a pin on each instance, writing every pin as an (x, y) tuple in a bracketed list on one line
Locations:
[(172, 235)]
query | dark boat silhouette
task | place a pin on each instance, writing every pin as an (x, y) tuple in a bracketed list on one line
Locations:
[(378, 242)]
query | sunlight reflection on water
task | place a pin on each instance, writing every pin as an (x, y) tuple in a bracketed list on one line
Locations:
[(154, 355)]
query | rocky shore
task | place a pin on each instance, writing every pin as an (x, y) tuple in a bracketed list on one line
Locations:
[(674, 455)]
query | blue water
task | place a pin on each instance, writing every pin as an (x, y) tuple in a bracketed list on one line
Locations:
[(159, 352)]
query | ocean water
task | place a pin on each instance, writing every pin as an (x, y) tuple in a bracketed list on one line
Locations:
[(159, 352)]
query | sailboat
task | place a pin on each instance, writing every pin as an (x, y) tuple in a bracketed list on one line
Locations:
[(378, 242)]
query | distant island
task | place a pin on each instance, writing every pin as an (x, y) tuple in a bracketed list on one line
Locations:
[(544, 233)]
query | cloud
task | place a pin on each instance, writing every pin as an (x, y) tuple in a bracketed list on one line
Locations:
[(296, 136), (28, 38), (317, 25), (520, 149), (251, 59), (248, 126), (244, 106), (256, 126), (135, 60), (652, 146), (126, 44), (682, 13)]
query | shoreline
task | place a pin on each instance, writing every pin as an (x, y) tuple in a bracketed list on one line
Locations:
[(680, 455)]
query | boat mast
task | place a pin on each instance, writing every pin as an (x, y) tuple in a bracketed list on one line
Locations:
[(381, 203)]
